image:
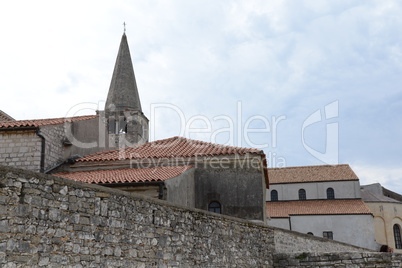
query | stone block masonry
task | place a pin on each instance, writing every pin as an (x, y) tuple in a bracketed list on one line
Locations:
[(47, 221), (349, 260), (54, 135), (20, 149)]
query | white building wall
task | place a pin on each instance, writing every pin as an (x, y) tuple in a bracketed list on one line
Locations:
[(316, 190), (356, 230), (283, 223)]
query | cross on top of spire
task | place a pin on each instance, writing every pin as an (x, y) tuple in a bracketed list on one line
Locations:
[(124, 27)]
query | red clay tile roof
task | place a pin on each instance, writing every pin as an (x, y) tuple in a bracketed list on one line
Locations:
[(316, 207), (169, 148), (43, 122), (311, 174), (126, 175)]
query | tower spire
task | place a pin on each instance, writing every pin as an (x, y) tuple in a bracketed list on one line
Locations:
[(123, 91), (126, 124)]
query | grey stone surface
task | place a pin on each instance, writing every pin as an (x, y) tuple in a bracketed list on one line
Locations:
[(239, 189), (111, 228)]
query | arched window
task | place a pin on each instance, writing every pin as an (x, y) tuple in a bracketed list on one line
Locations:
[(330, 193), (310, 233), (274, 195), (214, 206), (302, 194), (397, 236)]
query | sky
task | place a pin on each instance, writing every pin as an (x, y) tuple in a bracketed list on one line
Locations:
[(309, 82)]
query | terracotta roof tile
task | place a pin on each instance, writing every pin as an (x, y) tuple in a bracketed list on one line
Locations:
[(316, 207), (311, 174), (43, 122), (168, 148), (125, 175)]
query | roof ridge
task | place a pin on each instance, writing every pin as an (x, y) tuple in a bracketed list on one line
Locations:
[(216, 144), (171, 139), (54, 118), (128, 147), (310, 166), (170, 147), (120, 169), (43, 122)]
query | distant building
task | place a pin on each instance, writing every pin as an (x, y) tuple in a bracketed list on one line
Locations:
[(323, 201), (386, 207), (223, 179)]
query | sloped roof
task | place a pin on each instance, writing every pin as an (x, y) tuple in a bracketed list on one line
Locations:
[(369, 196), (316, 207), (127, 175), (169, 148), (123, 92), (43, 122), (5, 117), (311, 174)]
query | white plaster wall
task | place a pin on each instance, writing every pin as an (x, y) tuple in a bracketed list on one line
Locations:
[(279, 222), (356, 230), (316, 190)]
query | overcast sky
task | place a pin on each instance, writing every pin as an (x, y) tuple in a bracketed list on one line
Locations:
[(309, 82)]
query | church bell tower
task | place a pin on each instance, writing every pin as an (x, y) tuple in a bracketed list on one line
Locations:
[(126, 123)]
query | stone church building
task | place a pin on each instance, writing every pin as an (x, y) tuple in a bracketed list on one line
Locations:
[(111, 148)]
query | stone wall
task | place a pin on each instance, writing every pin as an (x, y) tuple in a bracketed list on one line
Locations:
[(54, 148), (20, 149), (355, 259), (46, 221)]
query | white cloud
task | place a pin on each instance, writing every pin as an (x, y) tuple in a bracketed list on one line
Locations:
[(390, 177)]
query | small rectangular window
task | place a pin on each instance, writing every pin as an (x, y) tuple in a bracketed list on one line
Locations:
[(328, 235), (112, 125)]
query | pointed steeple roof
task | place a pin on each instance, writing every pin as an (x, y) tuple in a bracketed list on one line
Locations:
[(123, 92)]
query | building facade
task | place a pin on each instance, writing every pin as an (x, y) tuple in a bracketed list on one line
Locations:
[(223, 179), (323, 201), (386, 207)]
